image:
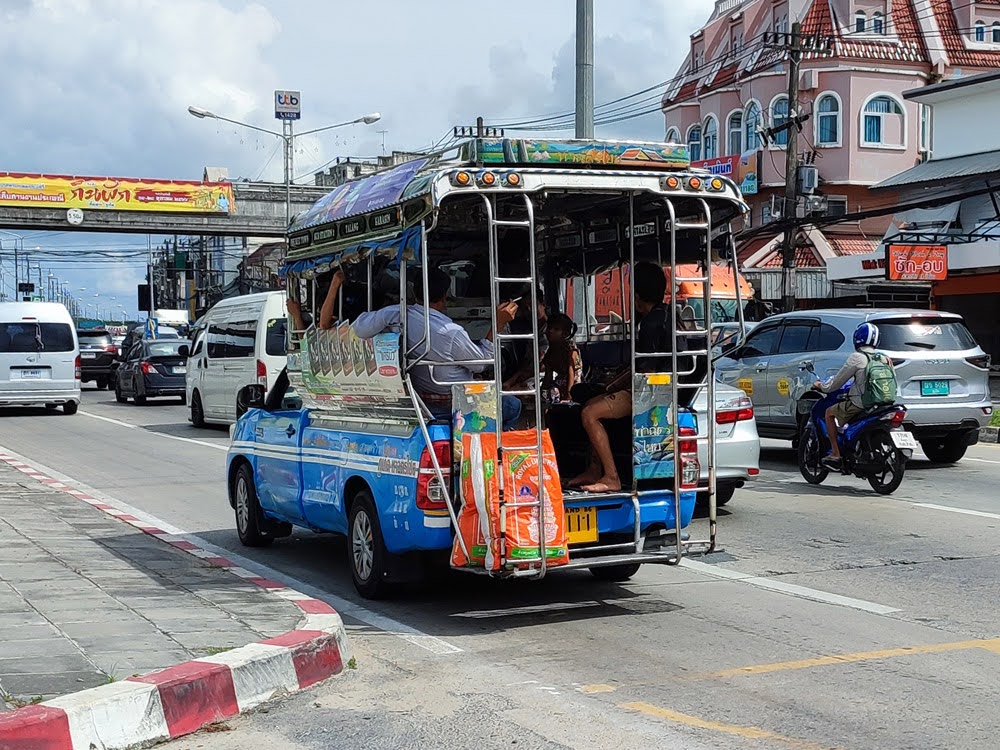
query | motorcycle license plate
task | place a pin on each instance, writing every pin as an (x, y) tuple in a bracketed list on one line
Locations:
[(903, 440)]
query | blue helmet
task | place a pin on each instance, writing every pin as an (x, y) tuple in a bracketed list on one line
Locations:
[(866, 334)]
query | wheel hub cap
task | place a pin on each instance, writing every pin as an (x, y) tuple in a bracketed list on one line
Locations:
[(362, 546)]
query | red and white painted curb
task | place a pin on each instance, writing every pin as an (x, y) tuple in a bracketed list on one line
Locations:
[(181, 699)]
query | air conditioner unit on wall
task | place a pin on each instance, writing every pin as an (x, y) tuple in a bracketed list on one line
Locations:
[(809, 80)]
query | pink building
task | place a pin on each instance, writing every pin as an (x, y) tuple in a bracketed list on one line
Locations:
[(861, 129)]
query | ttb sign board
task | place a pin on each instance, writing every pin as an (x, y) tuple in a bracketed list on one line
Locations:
[(287, 105)]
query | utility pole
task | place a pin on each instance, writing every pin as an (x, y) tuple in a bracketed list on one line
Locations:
[(584, 68), (382, 133), (795, 46)]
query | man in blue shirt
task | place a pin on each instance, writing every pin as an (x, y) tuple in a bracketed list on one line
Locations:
[(448, 343)]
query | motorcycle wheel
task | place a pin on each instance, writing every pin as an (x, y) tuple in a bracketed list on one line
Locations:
[(893, 462), (811, 457)]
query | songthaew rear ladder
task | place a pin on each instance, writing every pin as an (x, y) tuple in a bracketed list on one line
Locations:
[(507, 503)]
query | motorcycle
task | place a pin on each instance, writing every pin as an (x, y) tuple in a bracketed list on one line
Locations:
[(873, 446)]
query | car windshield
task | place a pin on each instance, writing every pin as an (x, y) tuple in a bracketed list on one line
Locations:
[(165, 348), (92, 340), (28, 336), (924, 334)]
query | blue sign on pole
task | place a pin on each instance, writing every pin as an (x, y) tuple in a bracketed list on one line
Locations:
[(151, 326)]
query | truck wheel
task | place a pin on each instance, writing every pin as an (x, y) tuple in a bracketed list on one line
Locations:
[(948, 451), (102, 384), (365, 549), (248, 513), (120, 397), (615, 573), (724, 494), (70, 407)]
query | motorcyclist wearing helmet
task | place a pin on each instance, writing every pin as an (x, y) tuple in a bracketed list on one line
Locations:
[(865, 340)]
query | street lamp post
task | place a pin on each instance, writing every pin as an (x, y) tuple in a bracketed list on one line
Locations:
[(18, 247), (288, 139)]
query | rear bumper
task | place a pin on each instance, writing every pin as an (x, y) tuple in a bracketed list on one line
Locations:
[(941, 420), (39, 396), (737, 457), (95, 371)]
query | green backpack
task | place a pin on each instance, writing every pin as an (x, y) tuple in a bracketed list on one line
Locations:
[(880, 382)]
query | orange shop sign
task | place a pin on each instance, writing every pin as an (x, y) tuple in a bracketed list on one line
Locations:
[(916, 262), (115, 194)]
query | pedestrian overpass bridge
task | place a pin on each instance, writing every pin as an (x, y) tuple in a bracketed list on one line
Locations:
[(258, 211)]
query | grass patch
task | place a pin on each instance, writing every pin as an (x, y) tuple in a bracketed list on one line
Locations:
[(214, 650), (995, 419), (352, 663)]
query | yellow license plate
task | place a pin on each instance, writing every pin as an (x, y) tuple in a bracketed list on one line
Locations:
[(581, 525)]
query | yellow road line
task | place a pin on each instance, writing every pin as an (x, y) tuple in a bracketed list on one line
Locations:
[(591, 689), (747, 733), (825, 661)]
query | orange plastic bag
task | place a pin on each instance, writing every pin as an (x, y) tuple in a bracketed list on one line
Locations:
[(479, 519)]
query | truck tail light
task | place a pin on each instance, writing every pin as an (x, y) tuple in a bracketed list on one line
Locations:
[(261, 373), (690, 467), (430, 494), (76, 364)]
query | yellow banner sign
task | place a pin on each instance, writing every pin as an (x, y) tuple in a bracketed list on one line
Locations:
[(115, 194)]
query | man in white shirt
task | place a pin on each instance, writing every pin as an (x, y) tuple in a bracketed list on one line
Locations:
[(448, 342)]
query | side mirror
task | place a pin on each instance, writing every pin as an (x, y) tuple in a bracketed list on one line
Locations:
[(252, 396), (184, 351)]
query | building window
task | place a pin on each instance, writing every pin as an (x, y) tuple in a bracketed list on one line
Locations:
[(925, 128), (673, 136), (694, 142), (752, 122), (836, 205), (980, 31), (860, 22), (765, 214), (878, 23), (710, 138), (779, 116), (735, 128), (996, 32), (828, 121), (883, 122)]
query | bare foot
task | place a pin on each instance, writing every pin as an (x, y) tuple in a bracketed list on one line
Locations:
[(588, 477), (604, 484)]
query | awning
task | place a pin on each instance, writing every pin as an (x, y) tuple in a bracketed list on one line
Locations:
[(938, 170), (405, 244)]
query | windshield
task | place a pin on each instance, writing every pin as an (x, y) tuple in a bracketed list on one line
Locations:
[(274, 344), (28, 336), (723, 310), (164, 348), (924, 334)]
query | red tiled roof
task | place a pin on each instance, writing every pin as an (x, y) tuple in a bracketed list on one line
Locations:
[(954, 45), (852, 245), (804, 258), (751, 247)]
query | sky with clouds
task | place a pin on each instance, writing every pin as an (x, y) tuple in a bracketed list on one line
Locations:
[(101, 87)]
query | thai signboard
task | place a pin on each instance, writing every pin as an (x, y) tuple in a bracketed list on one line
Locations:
[(115, 194), (916, 262), (740, 169)]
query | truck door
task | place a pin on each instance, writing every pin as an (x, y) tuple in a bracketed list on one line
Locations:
[(279, 466)]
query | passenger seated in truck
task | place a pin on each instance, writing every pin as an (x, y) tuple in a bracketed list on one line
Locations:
[(448, 342), (652, 336), (327, 314), (561, 367)]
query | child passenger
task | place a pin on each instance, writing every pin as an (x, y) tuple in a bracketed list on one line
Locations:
[(562, 364)]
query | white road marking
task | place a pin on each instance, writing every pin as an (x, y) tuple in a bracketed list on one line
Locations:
[(131, 426), (344, 607), (981, 460), (801, 592), (963, 511)]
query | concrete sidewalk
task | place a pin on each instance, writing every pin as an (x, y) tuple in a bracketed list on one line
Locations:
[(86, 599)]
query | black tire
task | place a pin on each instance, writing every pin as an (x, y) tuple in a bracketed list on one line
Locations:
[(249, 517), (70, 408), (140, 399), (120, 397), (811, 457), (894, 462), (949, 451), (724, 494), (51, 407), (197, 411), (615, 573), (366, 552), (102, 384)]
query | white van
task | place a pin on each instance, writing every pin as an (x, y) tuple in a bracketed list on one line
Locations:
[(241, 342), (39, 356)]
